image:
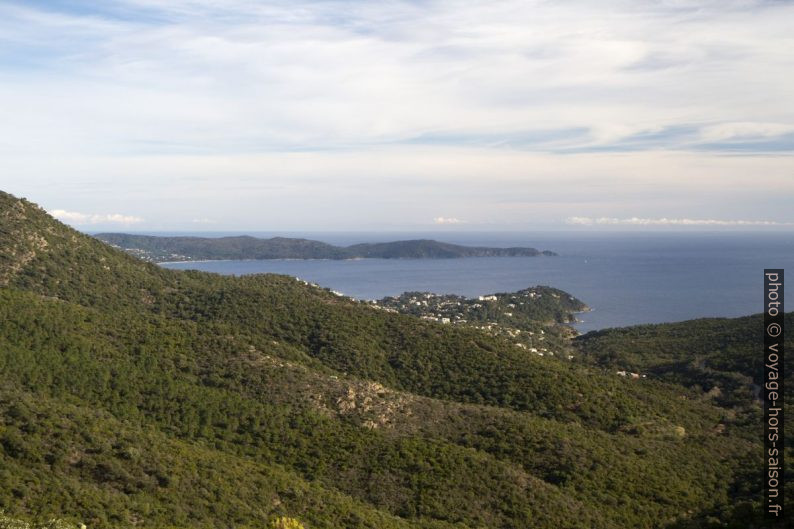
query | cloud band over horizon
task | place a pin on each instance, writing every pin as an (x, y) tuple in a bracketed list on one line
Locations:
[(85, 219), (636, 221)]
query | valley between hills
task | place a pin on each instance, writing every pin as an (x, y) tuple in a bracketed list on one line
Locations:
[(136, 396)]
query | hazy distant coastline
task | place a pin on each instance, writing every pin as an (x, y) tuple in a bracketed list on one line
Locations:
[(181, 249)]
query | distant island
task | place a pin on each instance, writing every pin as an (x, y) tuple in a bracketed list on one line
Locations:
[(161, 249)]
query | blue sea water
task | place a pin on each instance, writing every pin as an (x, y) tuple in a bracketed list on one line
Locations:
[(627, 278)]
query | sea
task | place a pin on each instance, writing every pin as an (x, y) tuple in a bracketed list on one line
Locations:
[(627, 278)]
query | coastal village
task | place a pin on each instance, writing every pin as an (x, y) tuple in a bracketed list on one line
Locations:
[(534, 319), (537, 319)]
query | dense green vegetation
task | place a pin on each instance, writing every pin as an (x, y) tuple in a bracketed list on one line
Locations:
[(160, 249), (717, 356), (136, 396)]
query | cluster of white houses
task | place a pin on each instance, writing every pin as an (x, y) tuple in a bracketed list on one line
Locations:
[(630, 375)]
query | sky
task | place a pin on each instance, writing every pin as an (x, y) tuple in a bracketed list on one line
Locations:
[(200, 115)]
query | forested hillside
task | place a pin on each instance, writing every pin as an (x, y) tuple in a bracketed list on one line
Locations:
[(133, 396), (719, 356)]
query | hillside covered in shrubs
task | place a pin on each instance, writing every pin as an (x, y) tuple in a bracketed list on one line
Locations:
[(134, 396)]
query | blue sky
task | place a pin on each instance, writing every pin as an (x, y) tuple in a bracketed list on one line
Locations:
[(325, 115)]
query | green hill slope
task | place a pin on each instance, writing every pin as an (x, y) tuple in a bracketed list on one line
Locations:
[(714, 355), (137, 396)]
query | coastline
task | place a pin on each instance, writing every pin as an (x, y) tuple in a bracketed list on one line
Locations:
[(255, 260), (353, 259)]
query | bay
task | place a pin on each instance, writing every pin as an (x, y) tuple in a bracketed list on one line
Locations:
[(627, 278)]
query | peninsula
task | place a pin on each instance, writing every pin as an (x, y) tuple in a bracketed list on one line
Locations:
[(161, 249)]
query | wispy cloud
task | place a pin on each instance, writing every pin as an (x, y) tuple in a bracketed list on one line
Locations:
[(637, 221), (273, 107), (246, 76), (82, 219), (448, 220)]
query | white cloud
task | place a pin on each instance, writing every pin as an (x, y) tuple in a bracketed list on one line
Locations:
[(637, 221), (204, 221), (260, 111), (82, 219), (448, 220), (405, 187), (729, 131), (245, 77)]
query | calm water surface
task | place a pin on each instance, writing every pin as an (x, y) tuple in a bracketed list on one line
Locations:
[(626, 278)]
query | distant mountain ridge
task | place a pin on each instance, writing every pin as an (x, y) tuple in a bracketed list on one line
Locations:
[(159, 249)]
